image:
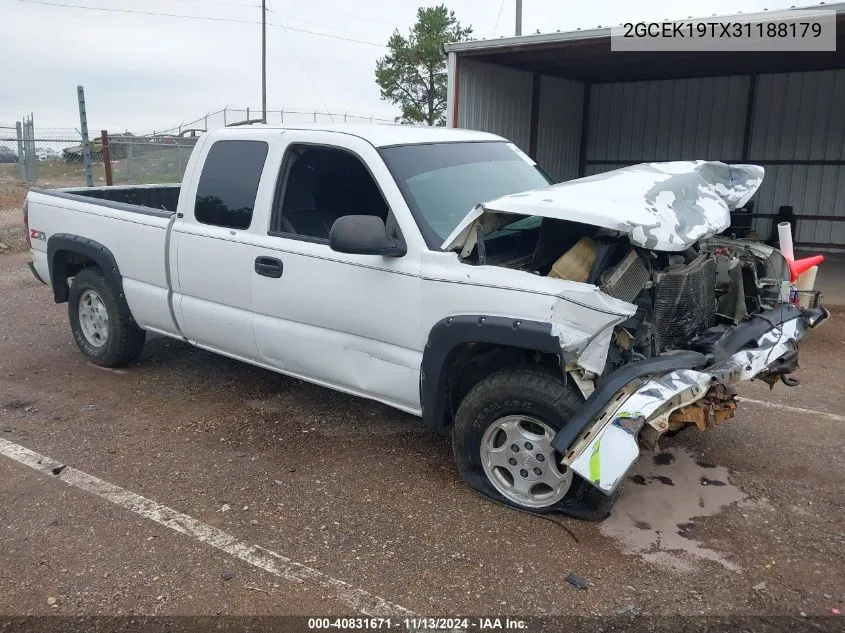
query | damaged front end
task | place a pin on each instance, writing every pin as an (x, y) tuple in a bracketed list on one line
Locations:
[(641, 401), (658, 316)]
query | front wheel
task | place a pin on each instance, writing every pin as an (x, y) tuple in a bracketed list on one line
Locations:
[(502, 444), (102, 330)]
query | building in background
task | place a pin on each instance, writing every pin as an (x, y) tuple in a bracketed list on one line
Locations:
[(579, 109)]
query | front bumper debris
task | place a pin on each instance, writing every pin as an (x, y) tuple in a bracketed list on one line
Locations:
[(636, 403)]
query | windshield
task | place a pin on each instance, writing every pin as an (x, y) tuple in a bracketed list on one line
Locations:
[(442, 182)]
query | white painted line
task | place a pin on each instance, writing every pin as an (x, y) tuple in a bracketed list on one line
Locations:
[(269, 561), (786, 407), (111, 370)]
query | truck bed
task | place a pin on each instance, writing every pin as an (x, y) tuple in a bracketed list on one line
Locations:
[(128, 223), (159, 200)]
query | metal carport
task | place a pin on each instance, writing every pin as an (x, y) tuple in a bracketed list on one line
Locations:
[(578, 109)]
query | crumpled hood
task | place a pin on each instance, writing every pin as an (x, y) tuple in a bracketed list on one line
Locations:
[(659, 206)]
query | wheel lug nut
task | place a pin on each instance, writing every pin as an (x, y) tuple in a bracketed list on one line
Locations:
[(538, 472), (512, 461), (523, 472), (528, 446), (540, 457), (514, 448)]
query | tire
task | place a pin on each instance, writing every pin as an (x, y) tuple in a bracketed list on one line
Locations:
[(104, 330), (514, 401)]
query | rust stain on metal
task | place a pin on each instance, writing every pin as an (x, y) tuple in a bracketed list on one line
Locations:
[(716, 407)]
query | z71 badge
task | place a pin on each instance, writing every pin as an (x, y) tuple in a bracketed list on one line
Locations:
[(37, 235)]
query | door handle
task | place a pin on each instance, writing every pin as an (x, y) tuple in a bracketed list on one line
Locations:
[(268, 267)]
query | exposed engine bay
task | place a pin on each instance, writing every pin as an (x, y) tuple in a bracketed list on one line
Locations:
[(681, 297), (659, 316)]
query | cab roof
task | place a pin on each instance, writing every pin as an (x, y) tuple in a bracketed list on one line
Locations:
[(377, 134)]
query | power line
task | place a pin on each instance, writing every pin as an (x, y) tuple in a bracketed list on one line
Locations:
[(498, 17), (202, 17), (346, 13), (286, 16), (224, 4), (308, 74)]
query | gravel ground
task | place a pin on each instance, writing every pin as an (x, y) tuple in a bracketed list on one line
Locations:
[(748, 519), (12, 195)]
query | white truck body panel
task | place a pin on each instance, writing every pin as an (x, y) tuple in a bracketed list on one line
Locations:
[(137, 242)]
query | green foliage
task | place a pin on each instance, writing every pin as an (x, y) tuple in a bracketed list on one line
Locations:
[(413, 73)]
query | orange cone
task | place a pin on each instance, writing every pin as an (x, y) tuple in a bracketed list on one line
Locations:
[(798, 266)]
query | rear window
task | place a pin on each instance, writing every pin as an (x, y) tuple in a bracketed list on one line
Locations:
[(229, 183)]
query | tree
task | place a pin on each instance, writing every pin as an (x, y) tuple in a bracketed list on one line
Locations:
[(413, 73)]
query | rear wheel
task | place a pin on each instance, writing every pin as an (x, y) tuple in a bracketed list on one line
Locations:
[(100, 321), (502, 444)]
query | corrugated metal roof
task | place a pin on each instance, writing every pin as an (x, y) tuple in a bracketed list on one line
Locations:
[(539, 39)]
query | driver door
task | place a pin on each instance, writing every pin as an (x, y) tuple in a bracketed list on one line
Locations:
[(348, 321)]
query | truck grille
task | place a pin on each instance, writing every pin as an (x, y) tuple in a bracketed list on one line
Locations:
[(684, 303)]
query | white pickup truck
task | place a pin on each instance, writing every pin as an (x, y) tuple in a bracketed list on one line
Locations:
[(553, 329)]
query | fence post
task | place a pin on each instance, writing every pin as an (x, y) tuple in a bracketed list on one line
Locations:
[(130, 171), (34, 149), (104, 135), (30, 159), (86, 146), (21, 157)]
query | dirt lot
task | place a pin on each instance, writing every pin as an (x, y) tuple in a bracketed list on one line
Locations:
[(12, 195), (746, 520)]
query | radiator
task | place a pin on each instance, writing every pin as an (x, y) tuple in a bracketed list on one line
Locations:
[(684, 303)]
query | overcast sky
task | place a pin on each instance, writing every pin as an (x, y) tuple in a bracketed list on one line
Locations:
[(142, 72)]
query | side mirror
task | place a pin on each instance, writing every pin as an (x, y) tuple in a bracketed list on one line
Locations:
[(364, 235)]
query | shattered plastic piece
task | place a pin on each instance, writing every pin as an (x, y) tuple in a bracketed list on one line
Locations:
[(576, 581), (760, 586), (227, 575), (605, 454)]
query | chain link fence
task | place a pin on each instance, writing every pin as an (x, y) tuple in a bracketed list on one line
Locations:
[(37, 156), (54, 157), (230, 117), (139, 160)]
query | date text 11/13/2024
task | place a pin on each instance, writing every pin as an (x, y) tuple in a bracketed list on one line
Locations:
[(418, 624)]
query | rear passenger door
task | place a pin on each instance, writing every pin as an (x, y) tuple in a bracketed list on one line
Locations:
[(214, 256)]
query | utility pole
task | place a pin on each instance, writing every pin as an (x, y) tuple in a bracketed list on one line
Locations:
[(519, 17), (264, 61)]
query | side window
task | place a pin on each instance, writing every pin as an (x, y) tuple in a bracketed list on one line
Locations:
[(229, 183), (317, 186)]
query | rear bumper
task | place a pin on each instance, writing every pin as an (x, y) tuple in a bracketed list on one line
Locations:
[(601, 442)]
